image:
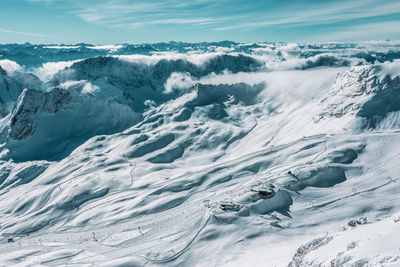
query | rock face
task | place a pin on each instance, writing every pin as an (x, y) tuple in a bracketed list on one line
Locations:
[(384, 103), (9, 92), (217, 94), (32, 102), (59, 120), (11, 87), (131, 83), (367, 92), (349, 90)]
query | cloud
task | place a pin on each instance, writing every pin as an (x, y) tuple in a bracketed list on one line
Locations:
[(325, 14), (24, 33), (178, 81), (141, 14), (172, 21), (9, 66), (369, 31), (47, 71), (225, 15)]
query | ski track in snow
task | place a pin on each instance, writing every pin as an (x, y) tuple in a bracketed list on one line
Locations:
[(155, 155)]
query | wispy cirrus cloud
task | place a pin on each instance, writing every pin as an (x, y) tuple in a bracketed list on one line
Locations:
[(24, 33), (177, 21), (247, 15), (325, 14), (124, 14), (382, 30), (141, 14), (228, 18)]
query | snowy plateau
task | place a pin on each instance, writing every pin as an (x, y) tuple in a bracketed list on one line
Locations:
[(207, 154)]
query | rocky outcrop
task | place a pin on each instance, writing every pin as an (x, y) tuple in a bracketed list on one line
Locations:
[(9, 92), (368, 92), (32, 102), (11, 87), (49, 125)]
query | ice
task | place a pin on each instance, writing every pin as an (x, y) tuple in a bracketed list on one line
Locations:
[(210, 154)]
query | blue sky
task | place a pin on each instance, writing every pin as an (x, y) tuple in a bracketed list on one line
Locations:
[(138, 21)]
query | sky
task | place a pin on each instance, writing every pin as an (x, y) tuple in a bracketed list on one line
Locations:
[(148, 21)]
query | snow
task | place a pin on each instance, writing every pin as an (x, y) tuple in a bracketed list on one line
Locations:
[(370, 243), (159, 159), (111, 48), (61, 46)]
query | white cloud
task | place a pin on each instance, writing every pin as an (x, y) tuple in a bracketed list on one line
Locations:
[(329, 13), (178, 81), (47, 71), (140, 14), (380, 30), (243, 15), (9, 66), (24, 33)]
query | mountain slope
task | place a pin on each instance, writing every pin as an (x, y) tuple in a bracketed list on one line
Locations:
[(208, 160)]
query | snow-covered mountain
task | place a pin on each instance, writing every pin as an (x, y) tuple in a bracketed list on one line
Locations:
[(211, 154)]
